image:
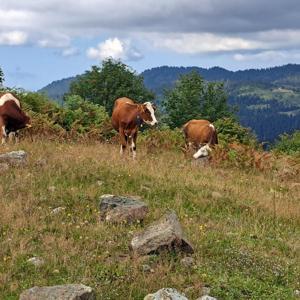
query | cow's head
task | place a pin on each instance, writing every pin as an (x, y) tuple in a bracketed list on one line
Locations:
[(147, 113), (202, 152)]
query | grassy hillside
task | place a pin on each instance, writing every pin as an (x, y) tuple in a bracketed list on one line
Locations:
[(244, 226)]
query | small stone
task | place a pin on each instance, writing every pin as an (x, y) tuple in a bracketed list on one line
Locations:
[(166, 294), (14, 157), (297, 293), (146, 268), (59, 292), (206, 297), (99, 183), (187, 262), (51, 188), (55, 271), (57, 210), (36, 261)]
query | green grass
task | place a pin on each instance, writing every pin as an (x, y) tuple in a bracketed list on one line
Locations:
[(246, 241)]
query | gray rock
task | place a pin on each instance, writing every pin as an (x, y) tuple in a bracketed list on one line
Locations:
[(59, 292), (57, 210), (118, 209), (166, 294), (206, 297), (14, 157), (187, 262), (36, 261), (166, 233), (297, 293)]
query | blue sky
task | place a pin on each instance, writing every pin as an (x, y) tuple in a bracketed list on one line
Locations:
[(42, 41)]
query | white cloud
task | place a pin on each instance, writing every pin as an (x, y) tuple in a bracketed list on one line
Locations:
[(13, 38), (268, 56), (70, 52), (188, 27), (204, 42), (114, 48)]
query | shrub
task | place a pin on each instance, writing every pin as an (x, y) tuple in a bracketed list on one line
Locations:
[(289, 144), (230, 131), (82, 116)]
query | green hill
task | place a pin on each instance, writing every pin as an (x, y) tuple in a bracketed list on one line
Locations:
[(268, 100)]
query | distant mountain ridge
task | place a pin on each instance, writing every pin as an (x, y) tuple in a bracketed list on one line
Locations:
[(268, 99)]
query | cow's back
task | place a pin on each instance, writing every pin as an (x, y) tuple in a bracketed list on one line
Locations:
[(198, 131), (120, 111), (7, 97)]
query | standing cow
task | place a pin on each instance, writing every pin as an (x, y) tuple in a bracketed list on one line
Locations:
[(201, 134), (12, 118), (126, 118)]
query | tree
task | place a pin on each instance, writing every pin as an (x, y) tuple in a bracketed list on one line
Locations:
[(1, 77), (103, 85), (192, 98), (182, 103)]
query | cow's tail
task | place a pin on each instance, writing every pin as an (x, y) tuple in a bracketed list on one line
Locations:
[(213, 137)]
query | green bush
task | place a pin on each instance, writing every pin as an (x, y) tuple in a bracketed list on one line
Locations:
[(230, 131), (82, 116), (289, 144)]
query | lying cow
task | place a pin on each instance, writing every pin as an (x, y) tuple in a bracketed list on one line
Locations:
[(126, 118), (12, 118), (201, 134)]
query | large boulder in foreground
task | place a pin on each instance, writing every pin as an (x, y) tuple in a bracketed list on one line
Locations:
[(166, 233), (118, 209), (166, 294), (14, 157), (59, 292)]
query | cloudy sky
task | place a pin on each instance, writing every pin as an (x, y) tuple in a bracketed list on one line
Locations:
[(46, 40)]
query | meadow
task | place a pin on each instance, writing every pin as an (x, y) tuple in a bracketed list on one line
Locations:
[(244, 224)]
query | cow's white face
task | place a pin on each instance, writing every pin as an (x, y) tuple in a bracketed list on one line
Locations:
[(202, 152), (150, 119)]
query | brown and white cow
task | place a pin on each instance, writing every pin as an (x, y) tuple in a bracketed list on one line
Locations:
[(126, 118), (202, 135), (12, 118)]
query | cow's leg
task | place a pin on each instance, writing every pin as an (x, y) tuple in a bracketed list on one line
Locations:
[(2, 128), (123, 140), (12, 136), (133, 144)]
